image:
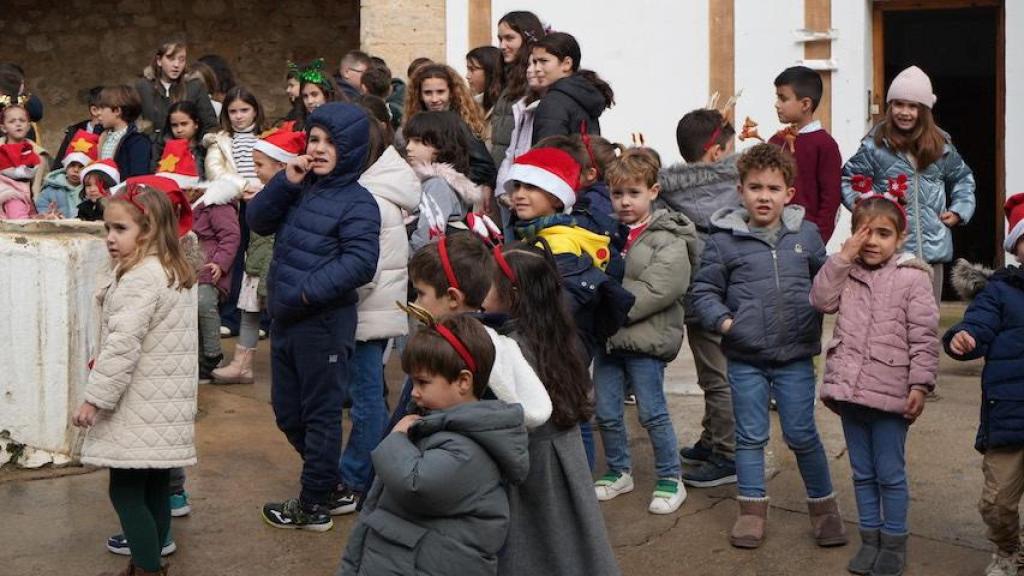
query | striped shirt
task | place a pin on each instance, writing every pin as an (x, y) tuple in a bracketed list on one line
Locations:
[(110, 142), (241, 152)]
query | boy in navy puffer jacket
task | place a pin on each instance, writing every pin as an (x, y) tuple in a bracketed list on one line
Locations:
[(327, 240)]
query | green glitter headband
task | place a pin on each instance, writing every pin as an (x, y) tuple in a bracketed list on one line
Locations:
[(314, 73)]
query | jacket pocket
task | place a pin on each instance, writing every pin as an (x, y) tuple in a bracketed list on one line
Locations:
[(747, 332), (891, 356), (391, 544)]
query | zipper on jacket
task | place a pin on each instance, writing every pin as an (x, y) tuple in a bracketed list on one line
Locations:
[(778, 290), (917, 213)]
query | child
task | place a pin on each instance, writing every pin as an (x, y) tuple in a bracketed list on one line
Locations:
[(121, 140), (139, 386), (63, 186), (882, 360), (798, 91), (699, 187), (182, 124), (752, 287), (97, 180), (443, 476), (326, 246), (23, 163), (315, 90), (908, 151), (993, 328), (657, 274), (269, 155), (91, 125), (436, 149)]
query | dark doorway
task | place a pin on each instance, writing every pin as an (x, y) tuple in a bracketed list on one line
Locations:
[(958, 49)]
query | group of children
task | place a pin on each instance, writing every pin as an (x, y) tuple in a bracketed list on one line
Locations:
[(604, 259)]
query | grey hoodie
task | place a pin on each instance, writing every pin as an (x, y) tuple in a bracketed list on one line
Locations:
[(700, 189)]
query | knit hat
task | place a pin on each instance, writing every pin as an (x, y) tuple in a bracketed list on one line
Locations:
[(1015, 218), (84, 149), (170, 187), (178, 164), (550, 169), (912, 85), (282, 145), (105, 167)]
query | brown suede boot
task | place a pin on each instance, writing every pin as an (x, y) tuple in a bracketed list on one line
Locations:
[(128, 571), (826, 521), (749, 529), (239, 371)]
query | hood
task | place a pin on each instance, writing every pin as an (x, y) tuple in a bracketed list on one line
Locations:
[(685, 176), (392, 179), (578, 241), (465, 189), (735, 218), (349, 128), (218, 192), (969, 279), (908, 260), (583, 93), (675, 222), (496, 426)]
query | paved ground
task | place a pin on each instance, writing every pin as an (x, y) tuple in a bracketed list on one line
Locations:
[(52, 525)]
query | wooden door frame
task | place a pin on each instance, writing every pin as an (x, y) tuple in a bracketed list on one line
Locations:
[(878, 10)]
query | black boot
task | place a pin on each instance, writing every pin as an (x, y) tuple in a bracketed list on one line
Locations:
[(207, 365), (892, 555), (864, 560)]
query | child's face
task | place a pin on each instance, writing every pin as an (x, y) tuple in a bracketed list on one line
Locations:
[(509, 41), (548, 68), (904, 114), (292, 89), (266, 167), (633, 200), (15, 123), (183, 127), (435, 94), (427, 298), (241, 114), (790, 108), (419, 152), (122, 231), (110, 118), (883, 241), (435, 392), (171, 65), (530, 202), (475, 76), (312, 97), (92, 188), (73, 172), (321, 148), (764, 194)]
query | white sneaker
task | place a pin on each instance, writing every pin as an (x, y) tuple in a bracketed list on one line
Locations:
[(225, 332), (1002, 565), (669, 494), (613, 484)]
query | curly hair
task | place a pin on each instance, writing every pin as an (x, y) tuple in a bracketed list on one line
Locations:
[(460, 99), (767, 157)]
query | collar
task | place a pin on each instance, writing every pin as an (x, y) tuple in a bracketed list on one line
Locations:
[(814, 126)]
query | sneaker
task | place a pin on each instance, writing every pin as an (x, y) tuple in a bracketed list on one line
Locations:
[(613, 484), (118, 544), (263, 334), (180, 505), (1002, 565), (291, 515), (343, 501), (716, 471), (696, 454), (225, 332), (629, 400), (669, 494)]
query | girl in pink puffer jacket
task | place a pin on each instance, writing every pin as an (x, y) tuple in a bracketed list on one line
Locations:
[(882, 360)]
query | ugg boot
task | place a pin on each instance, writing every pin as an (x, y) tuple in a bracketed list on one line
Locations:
[(749, 529), (892, 555), (239, 371), (864, 560), (826, 521)]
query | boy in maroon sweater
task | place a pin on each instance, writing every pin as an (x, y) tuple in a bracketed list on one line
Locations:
[(819, 165)]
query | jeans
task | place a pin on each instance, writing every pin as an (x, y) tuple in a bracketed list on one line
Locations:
[(876, 442), (369, 413), (209, 322), (792, 385), (177, 480), (647, 377)]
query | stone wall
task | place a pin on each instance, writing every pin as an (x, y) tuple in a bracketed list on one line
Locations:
[(399, 31), (68, 46)]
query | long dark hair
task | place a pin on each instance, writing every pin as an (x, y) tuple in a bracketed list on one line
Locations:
[(489, 60), (241, 93), (221, 71), (540, 316), (299, 109), (562, 45), (530, 29), (188, 108), (443, 131), (377, 109)]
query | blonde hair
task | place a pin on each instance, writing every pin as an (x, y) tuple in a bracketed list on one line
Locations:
[(460, 100), (635, 165), (152, 211)]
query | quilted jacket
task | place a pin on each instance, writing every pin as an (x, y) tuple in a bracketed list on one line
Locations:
[(448, 195), (219, 162), (145, 377)]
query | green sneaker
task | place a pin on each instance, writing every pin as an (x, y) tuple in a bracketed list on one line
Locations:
[(669, 494), (180, 505), (613, 484)]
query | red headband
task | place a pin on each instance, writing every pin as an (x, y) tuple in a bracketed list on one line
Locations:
[(487, 230), (713, 139), (130, 196), (895, 190), (457, 344), (585, 136), (446, 263)]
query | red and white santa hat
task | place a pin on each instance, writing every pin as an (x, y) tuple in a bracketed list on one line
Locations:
[(106, 167), (282, 145), (550, 169), (178, 164), (84, 149), (1014, 209)]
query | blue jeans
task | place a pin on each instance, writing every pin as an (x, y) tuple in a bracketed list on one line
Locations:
[(876, 443), (647, 377), (792, 385), (369, 413)]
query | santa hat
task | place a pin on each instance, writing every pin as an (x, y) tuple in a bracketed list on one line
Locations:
[(282, 145), (1015, 218), (912, 85), (170, 187), (178, 164), (20, 154), (105, 168), (550, 169), (84, 149)]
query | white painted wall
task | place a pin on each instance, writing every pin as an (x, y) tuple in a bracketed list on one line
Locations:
[(1014, 96), (457, 34)]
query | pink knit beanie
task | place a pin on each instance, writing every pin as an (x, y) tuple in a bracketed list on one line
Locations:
[(912, 85)]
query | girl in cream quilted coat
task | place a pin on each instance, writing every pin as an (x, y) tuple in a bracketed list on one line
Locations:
[(140, 401)]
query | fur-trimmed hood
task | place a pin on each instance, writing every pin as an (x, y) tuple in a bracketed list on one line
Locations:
[(468, 192), (970, 279), (217, 192)]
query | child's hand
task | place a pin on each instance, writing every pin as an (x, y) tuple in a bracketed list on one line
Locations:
[(85, 416), (950, 219), (962, 343), (215, 271), (405, 423), (851, 248), (726, 325), (298, 167), (915, 405), (250, 190)]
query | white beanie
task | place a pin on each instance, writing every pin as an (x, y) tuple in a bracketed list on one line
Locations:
[(912, 85)]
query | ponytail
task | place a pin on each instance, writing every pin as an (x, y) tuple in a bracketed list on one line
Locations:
[(602, 86)]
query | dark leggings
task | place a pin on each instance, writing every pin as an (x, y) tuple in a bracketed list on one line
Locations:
[(141, 498)]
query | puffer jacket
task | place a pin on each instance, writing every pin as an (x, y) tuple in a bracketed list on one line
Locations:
[(395, 187), (995, 319), (144, 379), (566, 106), (502, 124), (215, 222), (155, 103), (327, 227), (133, 154), (448, 195), (885, 343), (220, 163), (926, 194), (657, 275), (57, 190), (439, 505), (764, 289)]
